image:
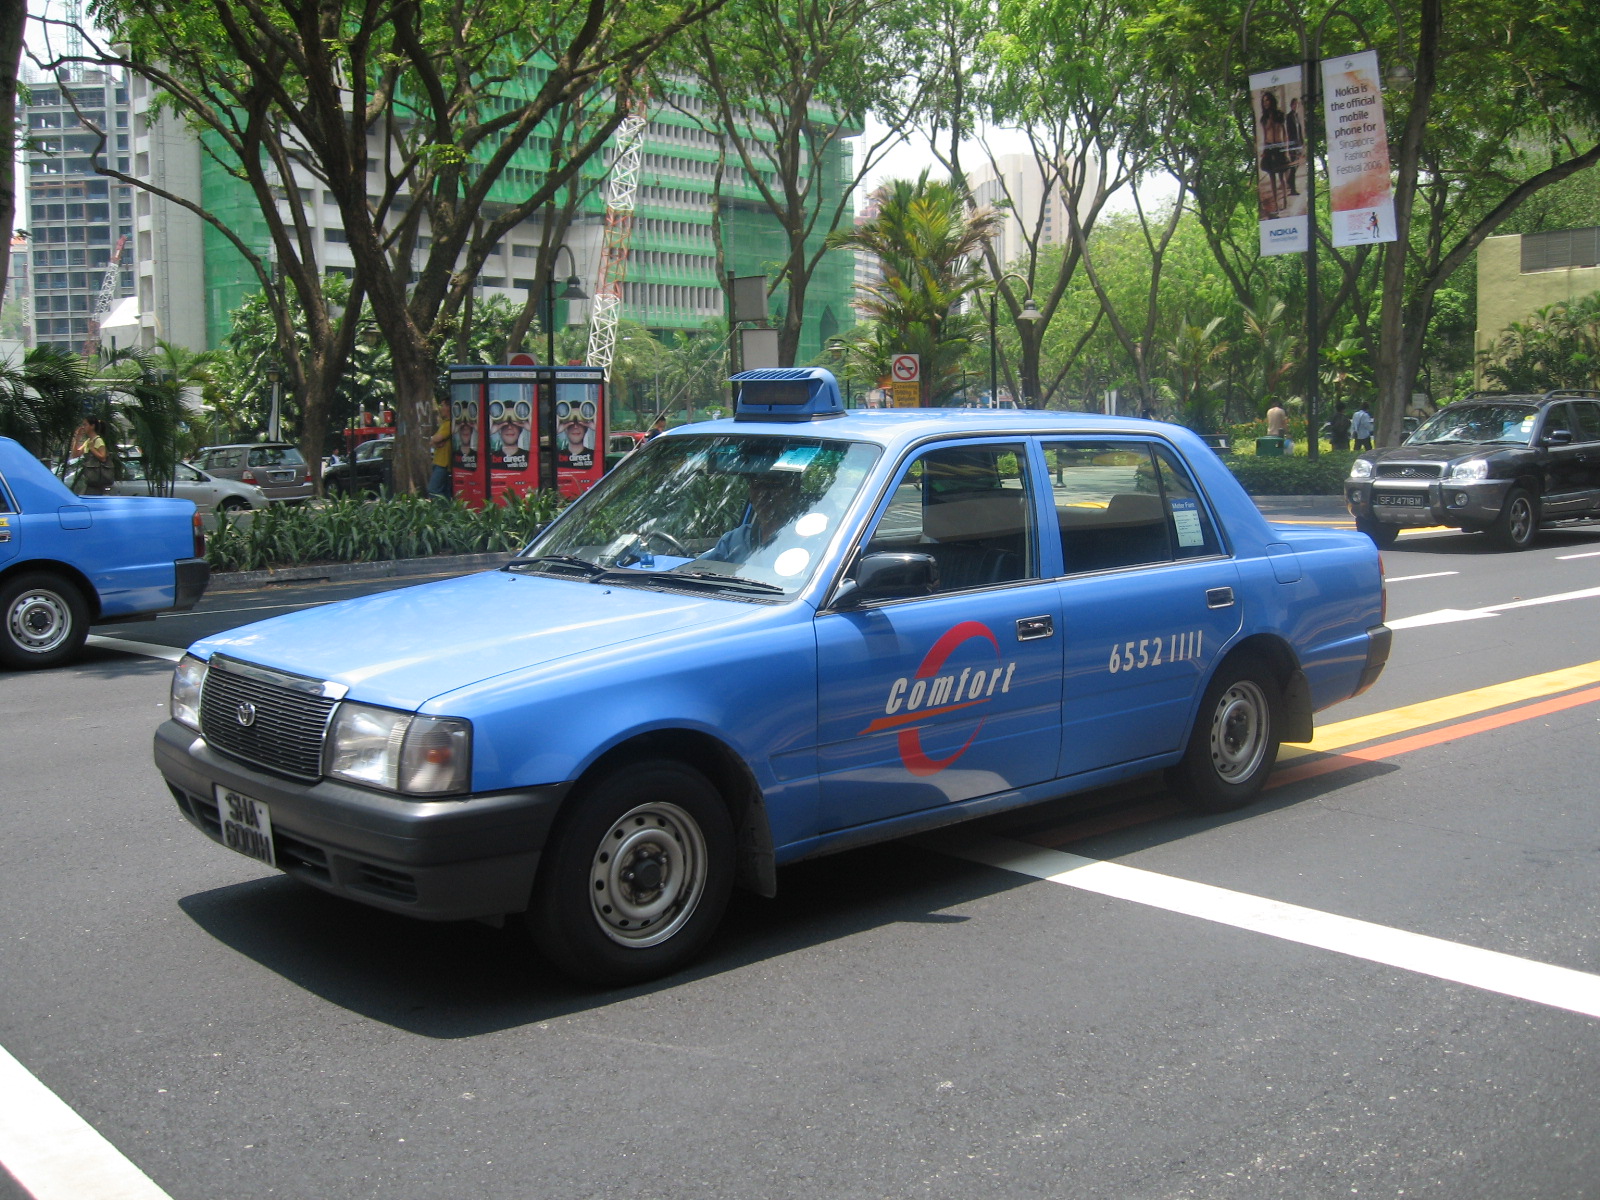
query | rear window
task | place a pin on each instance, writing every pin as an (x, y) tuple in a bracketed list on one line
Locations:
[(275, 456)]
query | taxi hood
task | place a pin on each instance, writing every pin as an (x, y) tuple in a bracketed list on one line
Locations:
[(403, 647)]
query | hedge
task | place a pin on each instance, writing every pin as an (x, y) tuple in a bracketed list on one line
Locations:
[(1294, 475)]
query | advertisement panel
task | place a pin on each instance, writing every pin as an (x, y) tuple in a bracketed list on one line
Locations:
[(1360, 194), (1282, 167)]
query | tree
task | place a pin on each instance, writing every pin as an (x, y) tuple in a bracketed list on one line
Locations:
[(1193, 352), (42, 399), (13, 22), (787, 81), (930, 250), (1558, 347), (449, 96)]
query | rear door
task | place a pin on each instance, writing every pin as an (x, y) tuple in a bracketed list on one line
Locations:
[(1148, 597), (1586, 433)]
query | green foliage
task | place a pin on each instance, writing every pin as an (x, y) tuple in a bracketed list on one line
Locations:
[(1557, 347), (43, 399), (393, 528)]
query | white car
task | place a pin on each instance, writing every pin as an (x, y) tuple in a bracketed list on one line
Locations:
[(208, 492)]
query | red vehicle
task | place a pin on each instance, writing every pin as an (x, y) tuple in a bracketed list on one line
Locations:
[(515, 428)]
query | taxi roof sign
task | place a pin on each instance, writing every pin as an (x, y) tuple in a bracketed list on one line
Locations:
[(787, 394)]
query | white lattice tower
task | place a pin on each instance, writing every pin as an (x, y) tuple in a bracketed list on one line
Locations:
[(622, 189), (102, 302)]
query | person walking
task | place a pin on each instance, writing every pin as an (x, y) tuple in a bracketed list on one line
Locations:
[(1362, 427), (1339, 428), (96, 470)]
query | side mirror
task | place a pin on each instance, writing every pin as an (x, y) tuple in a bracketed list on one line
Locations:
[(889, 574), (1558, 437)]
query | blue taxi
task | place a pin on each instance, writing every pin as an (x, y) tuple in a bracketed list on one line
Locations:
[(69, 561), (766, 638)]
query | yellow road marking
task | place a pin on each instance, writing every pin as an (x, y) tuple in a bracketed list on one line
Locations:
[(1342, 734)]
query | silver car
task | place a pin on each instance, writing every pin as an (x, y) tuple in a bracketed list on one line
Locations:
[(208, 492), (275, 467)]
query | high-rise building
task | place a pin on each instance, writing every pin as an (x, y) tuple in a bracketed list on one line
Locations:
[(75, 218), (191, 278), (1015, 184)]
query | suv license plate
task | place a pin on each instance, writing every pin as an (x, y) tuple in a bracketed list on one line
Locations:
[(246, 825), (1403, 501)]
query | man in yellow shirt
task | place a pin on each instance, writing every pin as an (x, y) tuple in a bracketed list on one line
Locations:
[(439, 478)]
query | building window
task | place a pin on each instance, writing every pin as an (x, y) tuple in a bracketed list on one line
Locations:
[(1560, 248)]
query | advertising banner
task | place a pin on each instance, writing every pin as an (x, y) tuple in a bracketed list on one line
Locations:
[(1282, 168), (1361, 197)]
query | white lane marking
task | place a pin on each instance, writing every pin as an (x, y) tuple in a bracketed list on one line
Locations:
[(1429, 575), (148, 649), (1488, 970), (53, 1152), (1585, 554), (248, 608), (1444, 616)]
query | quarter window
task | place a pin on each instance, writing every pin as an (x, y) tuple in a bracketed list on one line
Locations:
[(1586, 420)]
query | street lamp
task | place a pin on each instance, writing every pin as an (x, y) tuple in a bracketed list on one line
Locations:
[(1029, 314), (275, 413), (842, 348), (574, 291)]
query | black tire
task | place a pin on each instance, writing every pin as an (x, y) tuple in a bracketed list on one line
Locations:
[(44, 620), (1383, 536), (232, 504), (636, 875), (1518, 523), (1234, 743)]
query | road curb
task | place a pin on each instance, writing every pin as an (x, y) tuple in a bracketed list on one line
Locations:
[(336, 572)]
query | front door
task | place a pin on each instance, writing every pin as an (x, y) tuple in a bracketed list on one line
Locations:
[(1147, 598), (947, 697)]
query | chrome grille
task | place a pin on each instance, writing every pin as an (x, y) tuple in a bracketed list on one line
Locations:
[(288, 716), (1410, 470)]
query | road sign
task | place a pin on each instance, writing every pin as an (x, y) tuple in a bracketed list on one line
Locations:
[(908, 395), (521, 360), (906, 368)]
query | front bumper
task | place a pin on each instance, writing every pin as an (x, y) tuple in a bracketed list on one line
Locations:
[(441, 860), (1435, 502)]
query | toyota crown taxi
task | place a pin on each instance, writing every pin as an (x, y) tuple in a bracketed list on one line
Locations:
[(766, 638)]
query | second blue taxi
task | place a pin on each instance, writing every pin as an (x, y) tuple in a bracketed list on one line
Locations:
[(766, 638)]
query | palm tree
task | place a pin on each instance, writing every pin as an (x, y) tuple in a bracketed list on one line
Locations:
[(930, 248), (42, 400), (152, 385), (1276, 351), (1193, 351)]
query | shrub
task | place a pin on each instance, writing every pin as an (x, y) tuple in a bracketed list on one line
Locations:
[(353, 531), (1292, 476)]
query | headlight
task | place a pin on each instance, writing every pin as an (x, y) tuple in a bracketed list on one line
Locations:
[(1470, 471), (399, 751), (1361, 469), (187, 681)]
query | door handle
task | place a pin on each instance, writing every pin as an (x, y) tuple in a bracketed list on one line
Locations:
[(1221, 597), (1032, 628)]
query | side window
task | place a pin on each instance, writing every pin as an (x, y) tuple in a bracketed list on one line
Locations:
[(1193, 534), (1586, 418), (5, 499), (1555, 421), (968, 508), (133, 469), (1108, 505)]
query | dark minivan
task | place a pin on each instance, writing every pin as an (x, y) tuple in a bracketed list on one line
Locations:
[(277, 468), (1492, 463)]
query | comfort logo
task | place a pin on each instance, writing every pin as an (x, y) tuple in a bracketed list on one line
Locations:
[(912, 701)]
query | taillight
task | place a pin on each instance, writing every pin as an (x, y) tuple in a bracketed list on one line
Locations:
[(248, 477), (199, 536)]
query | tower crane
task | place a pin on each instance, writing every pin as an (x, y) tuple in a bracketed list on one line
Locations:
[(102, 303), (622, 189)]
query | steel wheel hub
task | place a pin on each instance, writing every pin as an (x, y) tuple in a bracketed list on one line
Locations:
[(1239, 731), (648, 875), (39, 621)]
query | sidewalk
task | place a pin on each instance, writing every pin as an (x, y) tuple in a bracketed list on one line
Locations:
[(1318, 509)]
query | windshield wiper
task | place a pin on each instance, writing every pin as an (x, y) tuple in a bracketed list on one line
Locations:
[(705, 579), (584, 567)]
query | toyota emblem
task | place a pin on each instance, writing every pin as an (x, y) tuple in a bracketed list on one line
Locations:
[(246, 712)]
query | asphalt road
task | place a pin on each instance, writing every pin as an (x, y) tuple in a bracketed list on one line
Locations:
[(902, 1021)]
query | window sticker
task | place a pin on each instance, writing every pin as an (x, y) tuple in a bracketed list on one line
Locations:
[(811, 524), (792, 562), (1186, 517), (796, 458)]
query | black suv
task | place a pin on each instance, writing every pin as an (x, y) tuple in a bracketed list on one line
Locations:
[(368, 474), (1500, 464)]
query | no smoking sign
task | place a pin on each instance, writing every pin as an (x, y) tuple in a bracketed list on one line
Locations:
[(906, 368)]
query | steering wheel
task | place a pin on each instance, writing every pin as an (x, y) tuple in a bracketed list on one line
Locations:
[(620, 546)]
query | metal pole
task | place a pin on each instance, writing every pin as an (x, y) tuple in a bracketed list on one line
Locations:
[(994, 369), (1313, 347)]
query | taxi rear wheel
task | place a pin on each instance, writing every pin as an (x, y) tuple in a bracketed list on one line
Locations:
[(43, 620), (1235, 739), (635, 878)]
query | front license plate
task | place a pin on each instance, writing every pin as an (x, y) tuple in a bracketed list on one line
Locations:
[(1402, 501), (246, 825)]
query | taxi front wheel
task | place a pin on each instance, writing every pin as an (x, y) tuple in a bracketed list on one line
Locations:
[(1235, 741), (636, 876)]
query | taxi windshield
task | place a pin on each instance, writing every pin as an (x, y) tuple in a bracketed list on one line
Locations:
[(741, 514), (1509, 423)]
